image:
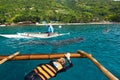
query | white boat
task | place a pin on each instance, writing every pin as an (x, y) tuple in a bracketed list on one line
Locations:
[(2, 25), (32, 35)]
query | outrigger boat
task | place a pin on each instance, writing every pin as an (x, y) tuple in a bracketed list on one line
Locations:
[(32, 35), (79, 54)]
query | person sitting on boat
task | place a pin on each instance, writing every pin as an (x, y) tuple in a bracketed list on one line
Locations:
[(50, 29), (49, 70)]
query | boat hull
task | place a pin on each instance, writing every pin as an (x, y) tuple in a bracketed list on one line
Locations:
[(31, 35)]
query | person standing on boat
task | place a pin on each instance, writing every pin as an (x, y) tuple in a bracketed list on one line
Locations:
[(50, 29), (49, 70)]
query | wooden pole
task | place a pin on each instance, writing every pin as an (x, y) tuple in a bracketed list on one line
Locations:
[(8, 57), (108, 74), (41, 56)]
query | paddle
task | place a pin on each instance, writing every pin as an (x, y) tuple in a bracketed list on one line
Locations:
[(8, 57), (108, 74)]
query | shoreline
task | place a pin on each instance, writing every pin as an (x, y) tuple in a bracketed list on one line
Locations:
[(80, 23), (40, 24)]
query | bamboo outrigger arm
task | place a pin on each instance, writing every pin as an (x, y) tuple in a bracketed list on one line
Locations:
[(8, 57), (41, 56), (108, 74)]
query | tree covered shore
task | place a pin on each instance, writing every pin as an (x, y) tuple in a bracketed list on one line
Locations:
[(59, 11)]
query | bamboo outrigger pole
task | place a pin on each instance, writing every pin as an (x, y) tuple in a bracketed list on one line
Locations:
[(8, 57), (41, 56), (108, 74)]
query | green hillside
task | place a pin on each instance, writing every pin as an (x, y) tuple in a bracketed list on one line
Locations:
[(68, 11)]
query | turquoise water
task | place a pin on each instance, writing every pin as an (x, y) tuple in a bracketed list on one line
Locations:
[(104, 46)]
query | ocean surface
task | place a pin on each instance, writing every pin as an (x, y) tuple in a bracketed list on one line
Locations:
[(101, 40)]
